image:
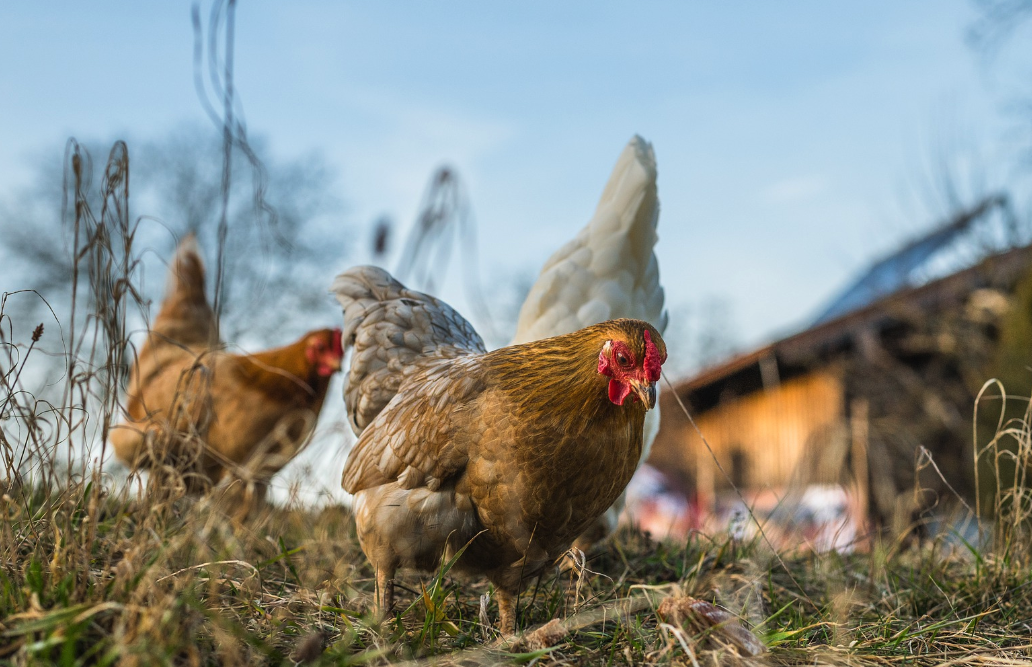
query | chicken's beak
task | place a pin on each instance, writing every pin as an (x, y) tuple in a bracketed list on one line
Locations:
[(646, 391), (328, 366)]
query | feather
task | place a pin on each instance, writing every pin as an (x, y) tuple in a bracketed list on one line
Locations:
[(610, 264)]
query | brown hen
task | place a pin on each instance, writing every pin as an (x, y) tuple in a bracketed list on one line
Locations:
[(513, 452), (215, 416)]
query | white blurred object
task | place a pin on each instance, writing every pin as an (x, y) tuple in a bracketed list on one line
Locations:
[(822, 517)]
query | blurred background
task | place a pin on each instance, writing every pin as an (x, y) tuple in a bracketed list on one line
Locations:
[(814, 160)]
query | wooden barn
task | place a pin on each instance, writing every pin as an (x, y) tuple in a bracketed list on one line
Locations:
[(883, 381)]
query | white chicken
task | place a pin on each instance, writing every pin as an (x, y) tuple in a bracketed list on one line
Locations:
[(609, 270)]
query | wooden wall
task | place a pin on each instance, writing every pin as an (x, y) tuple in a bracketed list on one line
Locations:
[(769, 438)]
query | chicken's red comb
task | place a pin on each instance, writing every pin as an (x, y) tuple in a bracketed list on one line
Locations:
[(653, 361), (337, 343)]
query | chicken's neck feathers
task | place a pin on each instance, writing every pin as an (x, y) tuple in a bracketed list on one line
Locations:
[(281, 370), (555, 383)]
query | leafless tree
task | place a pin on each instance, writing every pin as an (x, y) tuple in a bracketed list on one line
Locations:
[(275, 269), (1001, 23), (997, 20)]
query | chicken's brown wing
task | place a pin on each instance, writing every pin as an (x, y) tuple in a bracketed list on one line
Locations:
[(419, 438)]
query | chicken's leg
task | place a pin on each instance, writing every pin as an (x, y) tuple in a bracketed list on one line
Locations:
[(384, 592), (506, 612)]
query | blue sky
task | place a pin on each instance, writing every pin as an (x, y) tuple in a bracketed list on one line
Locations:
[(793, 139)]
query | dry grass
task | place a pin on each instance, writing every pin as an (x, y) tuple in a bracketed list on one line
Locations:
[(92, 578), (97, 573)]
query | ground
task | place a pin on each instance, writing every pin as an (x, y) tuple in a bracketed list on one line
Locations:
[(88, 577)]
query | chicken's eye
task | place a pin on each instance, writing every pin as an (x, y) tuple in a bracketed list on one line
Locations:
[(621, 358)]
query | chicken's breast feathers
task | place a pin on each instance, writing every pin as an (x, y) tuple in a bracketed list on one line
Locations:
[(389, 327)]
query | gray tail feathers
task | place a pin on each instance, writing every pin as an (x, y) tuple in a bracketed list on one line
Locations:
[(389, 328)]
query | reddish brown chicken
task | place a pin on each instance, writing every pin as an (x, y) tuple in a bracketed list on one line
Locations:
[(212, 415), (513, 452)]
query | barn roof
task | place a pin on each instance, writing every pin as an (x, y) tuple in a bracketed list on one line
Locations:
[(873, 302), (907, 267)]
